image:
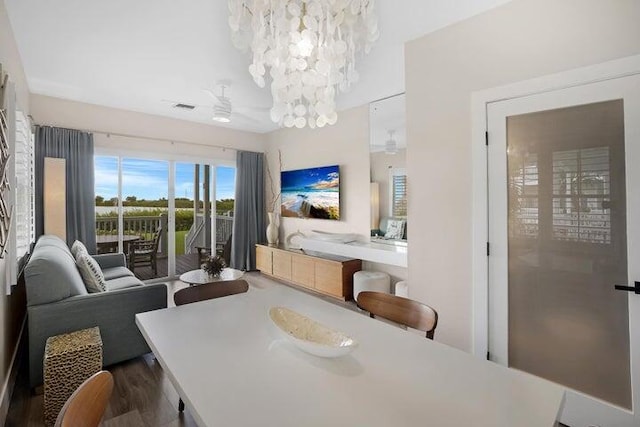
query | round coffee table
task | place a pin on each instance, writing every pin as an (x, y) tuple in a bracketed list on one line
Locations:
[(200, 277)]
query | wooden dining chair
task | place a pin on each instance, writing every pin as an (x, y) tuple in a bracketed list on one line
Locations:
[(221, 288), (400, 310), (86, 406)]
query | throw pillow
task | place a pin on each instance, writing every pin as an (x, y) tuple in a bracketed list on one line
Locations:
[(91, 273), (77, 248), (395, 229)]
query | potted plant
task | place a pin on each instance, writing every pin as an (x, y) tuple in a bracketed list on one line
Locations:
[(214, 265)]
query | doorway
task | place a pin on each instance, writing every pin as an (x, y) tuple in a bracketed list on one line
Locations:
[(181, 206), (562, 222)]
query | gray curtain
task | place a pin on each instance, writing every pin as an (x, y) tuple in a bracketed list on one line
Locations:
[(249, 214), (76, 148)]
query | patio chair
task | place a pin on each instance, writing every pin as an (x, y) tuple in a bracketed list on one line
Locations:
[(224, 250), (145, 252)]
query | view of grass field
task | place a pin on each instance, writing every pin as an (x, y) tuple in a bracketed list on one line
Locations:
[(180, 235)]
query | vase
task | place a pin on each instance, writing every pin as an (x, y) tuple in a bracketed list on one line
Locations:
[(272, 230)]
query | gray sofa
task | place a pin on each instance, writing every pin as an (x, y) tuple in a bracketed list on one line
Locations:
[(58, 302)]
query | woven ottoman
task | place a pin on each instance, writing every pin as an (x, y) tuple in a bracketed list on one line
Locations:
[(69, 359), (366, 280)]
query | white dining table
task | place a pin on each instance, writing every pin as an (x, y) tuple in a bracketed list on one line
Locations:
[(228, 364)]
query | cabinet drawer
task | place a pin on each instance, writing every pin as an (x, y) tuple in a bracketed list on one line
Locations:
[(282, 265), (263, 259), (303, 270), (328, 277)]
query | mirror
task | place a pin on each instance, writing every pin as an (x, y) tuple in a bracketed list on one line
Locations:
[(388, 148)]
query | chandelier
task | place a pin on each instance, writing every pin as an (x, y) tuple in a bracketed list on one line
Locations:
[(308, 47)]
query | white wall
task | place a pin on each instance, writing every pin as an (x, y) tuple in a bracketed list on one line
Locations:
[(520, 40), (11, 307), (196, 139), (347, 144)]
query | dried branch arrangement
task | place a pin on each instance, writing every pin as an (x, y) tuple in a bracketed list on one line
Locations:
[(274, 196)]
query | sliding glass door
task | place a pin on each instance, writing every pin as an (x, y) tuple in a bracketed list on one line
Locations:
[(204, 212), (225, 188), (107, 197), (192, 205), (164, 215), (145, 204)]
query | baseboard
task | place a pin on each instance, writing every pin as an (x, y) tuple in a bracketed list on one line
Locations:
[(10, 381)]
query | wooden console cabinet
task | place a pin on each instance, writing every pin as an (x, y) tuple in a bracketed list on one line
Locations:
[(328, 274)]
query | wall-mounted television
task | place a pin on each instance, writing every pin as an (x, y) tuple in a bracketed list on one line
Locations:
[(311, 193)]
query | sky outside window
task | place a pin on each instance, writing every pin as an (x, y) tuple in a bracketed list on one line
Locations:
[(147, 179)]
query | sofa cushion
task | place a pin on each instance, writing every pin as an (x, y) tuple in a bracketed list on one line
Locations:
[(123, 282), (91, 273), (51, 275), (55, 241), (116, 272)]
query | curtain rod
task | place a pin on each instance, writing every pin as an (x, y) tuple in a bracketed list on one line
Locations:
[(149, 138)]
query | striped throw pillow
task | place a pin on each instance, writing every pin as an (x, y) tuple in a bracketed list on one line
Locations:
[(91, 273), (77, 248)]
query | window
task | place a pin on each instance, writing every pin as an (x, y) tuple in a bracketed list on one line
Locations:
[(523, 195), (398, 189), (581, 195), (25, 197)]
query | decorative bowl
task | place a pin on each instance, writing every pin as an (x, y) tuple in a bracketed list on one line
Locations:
[(309, 335)]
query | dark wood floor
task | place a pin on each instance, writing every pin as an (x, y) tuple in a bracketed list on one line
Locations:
[(184, 263), (142, 396)]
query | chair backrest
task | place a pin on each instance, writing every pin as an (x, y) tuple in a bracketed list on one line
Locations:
[(226, 251), (218, 289), (86, 406), (156, 238), (400, 310)]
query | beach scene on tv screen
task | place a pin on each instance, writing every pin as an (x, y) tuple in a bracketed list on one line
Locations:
[(311, 193)]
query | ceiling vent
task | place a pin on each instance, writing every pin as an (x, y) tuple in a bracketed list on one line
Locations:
[(184, 106)]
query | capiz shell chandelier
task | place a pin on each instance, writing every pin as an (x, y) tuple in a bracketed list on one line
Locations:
[(309, 48)]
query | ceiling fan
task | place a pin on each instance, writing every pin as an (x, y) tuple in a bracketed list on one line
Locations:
[(223, 110), (390, 146)]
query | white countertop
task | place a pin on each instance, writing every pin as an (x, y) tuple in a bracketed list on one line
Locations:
[(368, 251), (230, 369)]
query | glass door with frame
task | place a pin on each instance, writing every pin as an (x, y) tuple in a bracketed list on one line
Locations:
[(564, 224)]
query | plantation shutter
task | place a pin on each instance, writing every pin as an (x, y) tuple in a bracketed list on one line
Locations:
[(398, 192), (25, 197)]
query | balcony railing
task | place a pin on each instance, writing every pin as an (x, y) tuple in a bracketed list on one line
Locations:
[(143, 226), (195, 237)]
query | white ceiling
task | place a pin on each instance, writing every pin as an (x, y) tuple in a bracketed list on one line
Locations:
[(133, 54)]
